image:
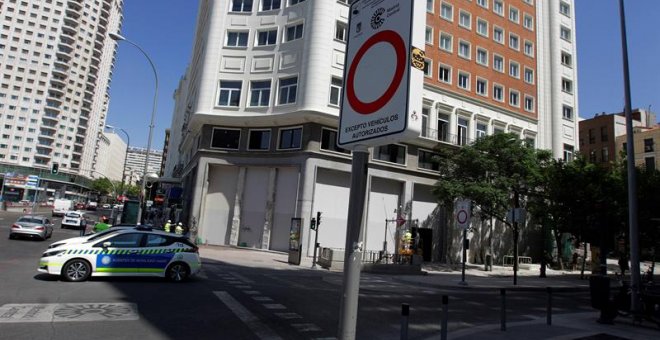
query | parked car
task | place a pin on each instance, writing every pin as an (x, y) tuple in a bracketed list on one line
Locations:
[(32, 226), (74, 219), (92, 205), (106, 206), (124, 252), (61, 206), (79, 206)]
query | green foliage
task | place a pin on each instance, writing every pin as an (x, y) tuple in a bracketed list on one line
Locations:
[(489, 172), (103, 186)]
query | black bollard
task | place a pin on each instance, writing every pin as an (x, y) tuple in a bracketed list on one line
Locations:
[(503, 314), (445, 315), (405, 312), (549, 312)]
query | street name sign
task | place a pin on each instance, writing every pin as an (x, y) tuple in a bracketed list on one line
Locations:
[(383, 73)]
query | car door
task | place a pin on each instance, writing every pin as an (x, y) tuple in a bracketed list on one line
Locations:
[(157, 253), (121, 255)]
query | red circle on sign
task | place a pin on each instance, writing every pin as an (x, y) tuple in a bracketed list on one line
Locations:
[(393, 39), (462, 216)]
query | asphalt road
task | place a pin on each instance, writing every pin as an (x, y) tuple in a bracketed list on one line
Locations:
[(235, 301)]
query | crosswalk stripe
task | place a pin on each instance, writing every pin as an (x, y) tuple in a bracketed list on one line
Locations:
[(258, 328)]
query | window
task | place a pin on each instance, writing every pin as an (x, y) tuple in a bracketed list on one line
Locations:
[(464, 80), (514, 42), (447, 11), (260, 93), (269, 5), (294, 32), (567, 112), (259, 140), (498, 35), (498, 7), (265, 38), (565, 33), (482, 3), (565, 9), (529, 76), (464, 49), (287, 90), (568, 153), (329, 141), (513, 14), (158, 241), (529, 48), (482, 56), (341, 30), (290, 138), (482, 27), (514, 98), (241, 6), (131, 240), (425, 161), (445, 42), (443, 127), (482, 129), (592, 136), (463, 125), (236, 39), (465, 19), (429, 6), (528, 22), (530, 141), (648, 144), (428, 35), (498, 63), (567, 86), (391, 153), (482, 87), (604, 155), (335, 91), (230, 93), (514, 69), (428, 67), (444, 74), (529, 104), (566, 59), (225, 138)]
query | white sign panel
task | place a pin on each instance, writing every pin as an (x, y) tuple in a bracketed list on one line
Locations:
[(383, 75), (463, 213)]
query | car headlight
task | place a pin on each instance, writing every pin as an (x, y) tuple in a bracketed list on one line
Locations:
[(52, 253), (55, 245)]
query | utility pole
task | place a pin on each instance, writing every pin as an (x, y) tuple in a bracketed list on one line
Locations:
[(315, 226)]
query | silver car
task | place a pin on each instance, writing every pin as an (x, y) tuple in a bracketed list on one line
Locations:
[(32, 226)]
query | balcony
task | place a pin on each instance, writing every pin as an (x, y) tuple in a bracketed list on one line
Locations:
[(75, 4), (69, 30), (57, 90), (59, 81), (42, 143), (52, 105), (444, 137), (47, 133), (71, 23), (60, 71), (44, 152), (72, 12)]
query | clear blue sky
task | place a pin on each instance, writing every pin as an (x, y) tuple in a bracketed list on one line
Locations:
[(165, 30)]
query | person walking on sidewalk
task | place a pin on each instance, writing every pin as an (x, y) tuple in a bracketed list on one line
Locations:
[(179, 229)]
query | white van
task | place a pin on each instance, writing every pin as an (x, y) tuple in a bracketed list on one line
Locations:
[(61, 206)]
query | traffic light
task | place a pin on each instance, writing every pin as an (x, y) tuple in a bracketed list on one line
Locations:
[(318, 218), (312, 224), (55, 168)]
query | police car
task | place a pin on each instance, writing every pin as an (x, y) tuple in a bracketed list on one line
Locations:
[(124, 252)]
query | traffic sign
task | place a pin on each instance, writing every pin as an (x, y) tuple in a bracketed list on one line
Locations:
[(463, 213), (400, 221), (382, 98)]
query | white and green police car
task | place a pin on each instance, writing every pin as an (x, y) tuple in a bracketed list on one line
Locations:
[(124, 252)]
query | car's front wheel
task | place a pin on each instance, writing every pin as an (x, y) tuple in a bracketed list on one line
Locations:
[(178, 272), (76, 270)]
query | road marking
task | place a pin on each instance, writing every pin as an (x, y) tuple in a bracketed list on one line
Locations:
[(252, 292), (305, 327), (274, 306), (242, 278), (243, 287), (68, 312), (258, 328), (288, 316), (262, 298)]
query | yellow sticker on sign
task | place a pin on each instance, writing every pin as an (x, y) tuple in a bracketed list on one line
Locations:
[(417, 58)]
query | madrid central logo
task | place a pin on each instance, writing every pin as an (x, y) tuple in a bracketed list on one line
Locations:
[(377, 19)]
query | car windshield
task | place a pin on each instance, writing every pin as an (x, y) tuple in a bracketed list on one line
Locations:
[(73, 214), (29, 220)]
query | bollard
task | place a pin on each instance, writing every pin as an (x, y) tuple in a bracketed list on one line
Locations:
[(549, 316), (503, 314), (405, 311), (445, 315)]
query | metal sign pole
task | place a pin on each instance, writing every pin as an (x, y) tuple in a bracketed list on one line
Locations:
[(353, 255)]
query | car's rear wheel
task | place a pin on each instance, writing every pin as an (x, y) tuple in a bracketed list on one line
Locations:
[(11, 236), (178, 272), (76, 270)]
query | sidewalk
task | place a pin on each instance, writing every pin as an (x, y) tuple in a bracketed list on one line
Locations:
[(564, 326)]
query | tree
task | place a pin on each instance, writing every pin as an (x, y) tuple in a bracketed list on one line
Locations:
[(497, 173), (103, 186)]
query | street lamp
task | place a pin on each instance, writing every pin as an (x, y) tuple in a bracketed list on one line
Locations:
[(117, 37), (128, 144)]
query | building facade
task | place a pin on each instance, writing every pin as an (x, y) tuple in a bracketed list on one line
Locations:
[(55, 64), (113, 149), (646, 141), (253, 135), (135, 159)]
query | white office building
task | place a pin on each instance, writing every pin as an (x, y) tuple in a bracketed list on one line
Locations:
[(253, 135), (113, 149), (135, 163)]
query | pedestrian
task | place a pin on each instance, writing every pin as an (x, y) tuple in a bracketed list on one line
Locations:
[(179, 229), (101, 225), (167, 226)]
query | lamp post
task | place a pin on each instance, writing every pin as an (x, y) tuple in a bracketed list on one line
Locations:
[(128, 144), (117, 37)]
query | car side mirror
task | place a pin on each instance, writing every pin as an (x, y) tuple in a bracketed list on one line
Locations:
[(106, 244)]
